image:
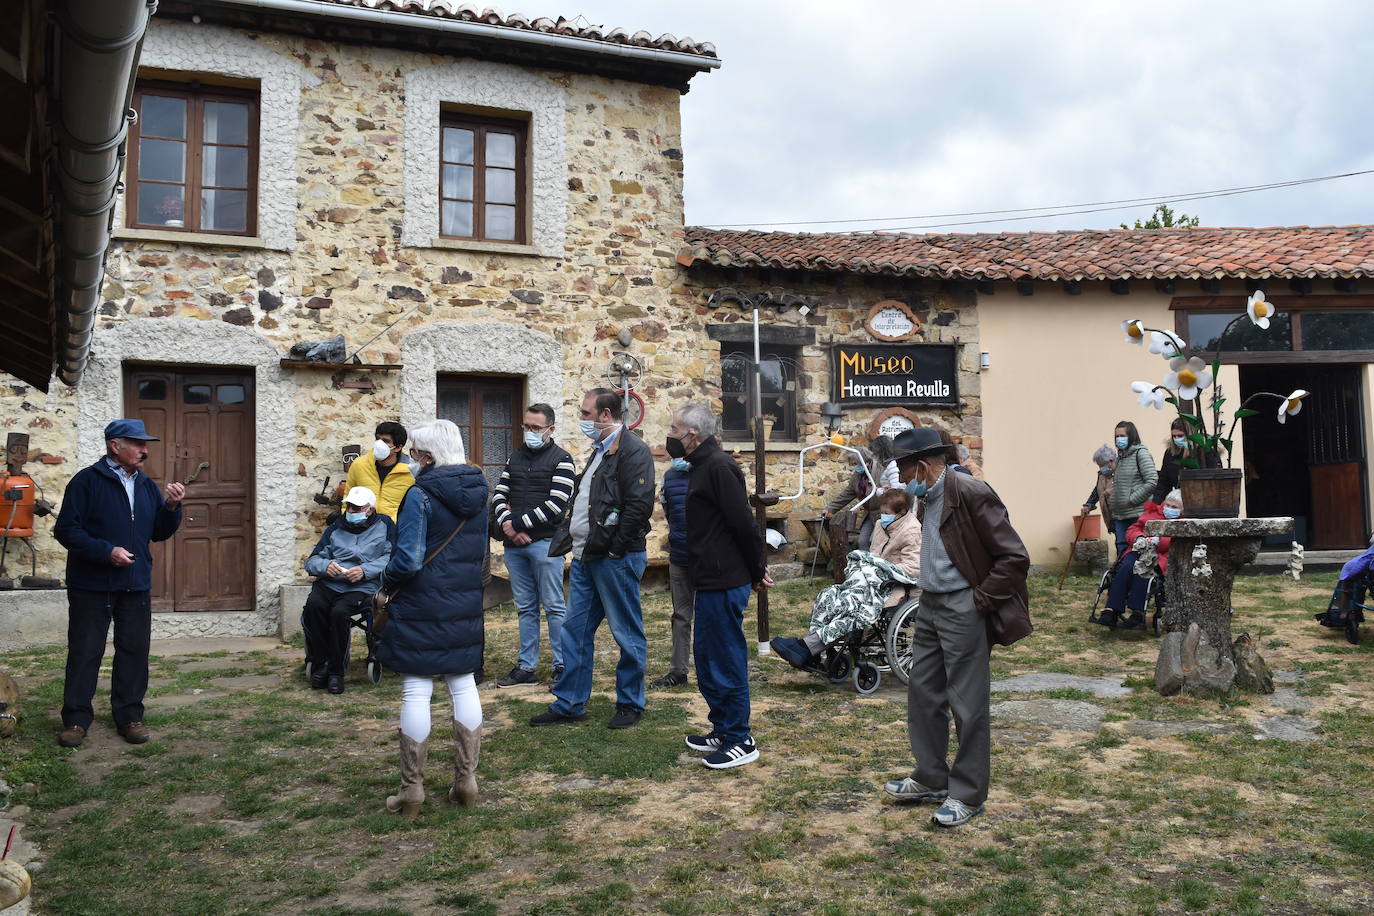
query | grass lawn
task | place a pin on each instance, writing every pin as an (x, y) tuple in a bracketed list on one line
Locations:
[(258, 795)]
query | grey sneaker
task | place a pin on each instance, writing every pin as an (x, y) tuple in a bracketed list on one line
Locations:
[(954, 812), (516, 677), (909, 790)]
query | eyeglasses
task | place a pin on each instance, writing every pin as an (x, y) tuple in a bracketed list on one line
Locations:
[(531, 428)]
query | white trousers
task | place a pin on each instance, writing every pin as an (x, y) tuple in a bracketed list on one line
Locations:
[(416, 693)]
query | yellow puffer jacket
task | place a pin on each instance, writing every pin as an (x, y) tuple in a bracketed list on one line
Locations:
[(363, 473)]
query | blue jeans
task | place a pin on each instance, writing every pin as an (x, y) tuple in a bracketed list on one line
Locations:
[(722, 657), (537, 578), (1128, 591), (1120, 526), (602, 588)]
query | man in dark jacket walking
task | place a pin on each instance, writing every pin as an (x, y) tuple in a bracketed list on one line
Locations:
[(724, 560), (612, 503), (110, 512), (973, 566), (527, 505), (673, 496)]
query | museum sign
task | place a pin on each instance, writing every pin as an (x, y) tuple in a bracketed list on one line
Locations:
[(904, 374)]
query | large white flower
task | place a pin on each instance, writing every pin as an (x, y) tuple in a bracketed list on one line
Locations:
[(1148, 395), (1187, 375), (1169, 345), (1258, 309), (1134, 329), (1291, 405)]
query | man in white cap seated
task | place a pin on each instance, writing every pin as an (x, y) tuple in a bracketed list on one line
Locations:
[(347, 564)]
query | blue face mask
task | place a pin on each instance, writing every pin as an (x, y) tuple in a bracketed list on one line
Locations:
[(917, 488), (887, 518), (1180, 442), (589, 430), (1122, 442), (534, 441), (1172, 512), (355, 518), (680, 464), (1105, 469)]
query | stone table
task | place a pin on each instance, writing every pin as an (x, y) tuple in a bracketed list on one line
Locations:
[(1204, 557)]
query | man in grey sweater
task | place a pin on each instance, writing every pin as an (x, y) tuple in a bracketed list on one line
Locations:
[(347, 564)]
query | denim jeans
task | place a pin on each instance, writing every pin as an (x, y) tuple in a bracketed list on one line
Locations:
[(1128, 591), (537, 578), (602, 588), (722, 657), (1120, 526)]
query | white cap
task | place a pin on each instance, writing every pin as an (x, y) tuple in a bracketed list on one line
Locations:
[(361, 496), (775, 538)]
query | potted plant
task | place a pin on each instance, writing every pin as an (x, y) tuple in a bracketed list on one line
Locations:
[(170, 210), (1209, 490), (767, 421)]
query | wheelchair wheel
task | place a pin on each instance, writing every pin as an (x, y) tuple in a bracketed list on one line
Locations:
[(374, 671), (873, 648), (901, 634), (309, 667), (867, 677), (837, 666)]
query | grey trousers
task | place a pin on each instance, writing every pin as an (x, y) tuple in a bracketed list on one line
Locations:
[(683, 611), (949, 673)]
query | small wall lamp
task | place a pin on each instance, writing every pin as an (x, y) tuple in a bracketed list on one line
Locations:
[(833, 413), (985, 360)]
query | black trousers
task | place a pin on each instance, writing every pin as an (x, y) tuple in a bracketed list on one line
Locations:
[(89, 615), (326, 627)]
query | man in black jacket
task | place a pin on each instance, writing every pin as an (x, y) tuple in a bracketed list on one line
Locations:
[(110, 511), (527, 506), (612, 502), (724, 560)]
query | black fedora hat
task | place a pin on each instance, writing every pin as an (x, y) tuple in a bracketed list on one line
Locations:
[(917, 443)]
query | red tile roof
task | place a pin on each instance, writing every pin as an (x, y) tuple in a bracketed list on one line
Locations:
[(1280, 251), (576, 28)]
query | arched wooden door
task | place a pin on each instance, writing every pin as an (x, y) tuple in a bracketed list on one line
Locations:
[(201, 416)]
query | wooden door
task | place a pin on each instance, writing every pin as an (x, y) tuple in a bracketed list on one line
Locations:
[(1336, 458), (201, 415), (489, 411)]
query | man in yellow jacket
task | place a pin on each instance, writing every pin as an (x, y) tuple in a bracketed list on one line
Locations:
[(383, 470)]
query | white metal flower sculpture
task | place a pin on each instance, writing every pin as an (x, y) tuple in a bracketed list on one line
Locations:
[(1189, 375)]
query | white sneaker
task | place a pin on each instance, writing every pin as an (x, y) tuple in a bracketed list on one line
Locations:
[(954, 812)]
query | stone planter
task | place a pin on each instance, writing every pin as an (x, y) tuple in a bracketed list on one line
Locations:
[(1210, 492)]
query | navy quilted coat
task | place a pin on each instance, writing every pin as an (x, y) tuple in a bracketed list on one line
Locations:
[(436, 614)]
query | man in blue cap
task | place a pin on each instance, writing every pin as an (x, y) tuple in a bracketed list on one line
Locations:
[(110, 512)]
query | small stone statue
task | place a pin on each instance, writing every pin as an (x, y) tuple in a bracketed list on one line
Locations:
[(1252, 672), (321, 351)]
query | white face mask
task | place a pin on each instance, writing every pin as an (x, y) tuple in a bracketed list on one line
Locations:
[(380, 450)]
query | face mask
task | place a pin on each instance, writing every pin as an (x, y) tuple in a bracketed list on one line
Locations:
[(1122, 442), (589, 430), (887, 518), (917, 488), (356, 518), (1171, 512), (674, 447), (1105, 469), (680, 464), (534, 441), (380, 450), (1180, 442)]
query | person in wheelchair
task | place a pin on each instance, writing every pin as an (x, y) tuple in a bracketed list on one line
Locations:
[(347, 564), (868, 587), (1129, 589), (1355, 576)]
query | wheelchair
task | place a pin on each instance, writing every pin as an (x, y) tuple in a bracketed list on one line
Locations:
[(1355, 592), (1154, 597), (361, 620), (863, 655)]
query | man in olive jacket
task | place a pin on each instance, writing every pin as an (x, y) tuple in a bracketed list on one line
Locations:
[(973, 592), (612, 502)]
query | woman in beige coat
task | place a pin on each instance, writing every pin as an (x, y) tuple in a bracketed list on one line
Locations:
[(897, 538)]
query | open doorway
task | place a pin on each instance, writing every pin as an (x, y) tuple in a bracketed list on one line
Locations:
[(1313, 467)]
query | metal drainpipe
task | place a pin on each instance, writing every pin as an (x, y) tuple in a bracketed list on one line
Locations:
[(325, 9), (98, 46)]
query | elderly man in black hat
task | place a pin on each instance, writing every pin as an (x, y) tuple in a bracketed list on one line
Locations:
[(110, 512), (973, 592)]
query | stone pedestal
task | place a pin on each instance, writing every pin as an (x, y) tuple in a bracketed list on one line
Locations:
[(1204, 556)]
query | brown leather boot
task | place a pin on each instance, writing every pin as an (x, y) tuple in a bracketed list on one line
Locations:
[(408, 800), (468, 748)]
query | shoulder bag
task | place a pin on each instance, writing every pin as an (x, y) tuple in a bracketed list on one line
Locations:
[(381, 598)]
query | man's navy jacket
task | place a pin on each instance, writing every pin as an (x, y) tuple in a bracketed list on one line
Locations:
[(95, 519)]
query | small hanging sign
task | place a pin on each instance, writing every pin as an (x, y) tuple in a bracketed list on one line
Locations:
[(892, 320)]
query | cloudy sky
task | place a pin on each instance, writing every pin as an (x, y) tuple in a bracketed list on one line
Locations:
[(862, 109)]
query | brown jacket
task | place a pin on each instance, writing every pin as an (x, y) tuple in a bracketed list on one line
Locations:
[(989, 553), (900, 545)]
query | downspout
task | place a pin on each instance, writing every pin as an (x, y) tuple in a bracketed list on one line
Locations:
[(98, 46), (329, 10)]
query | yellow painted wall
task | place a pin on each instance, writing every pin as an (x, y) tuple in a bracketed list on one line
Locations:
[(1059, 381)]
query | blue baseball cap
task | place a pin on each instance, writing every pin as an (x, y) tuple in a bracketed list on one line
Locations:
[(128, 429)]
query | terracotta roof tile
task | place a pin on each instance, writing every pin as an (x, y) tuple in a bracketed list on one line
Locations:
[(1278, 251), (470, 12)]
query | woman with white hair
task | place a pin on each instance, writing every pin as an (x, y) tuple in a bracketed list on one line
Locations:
[(435, 625)]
